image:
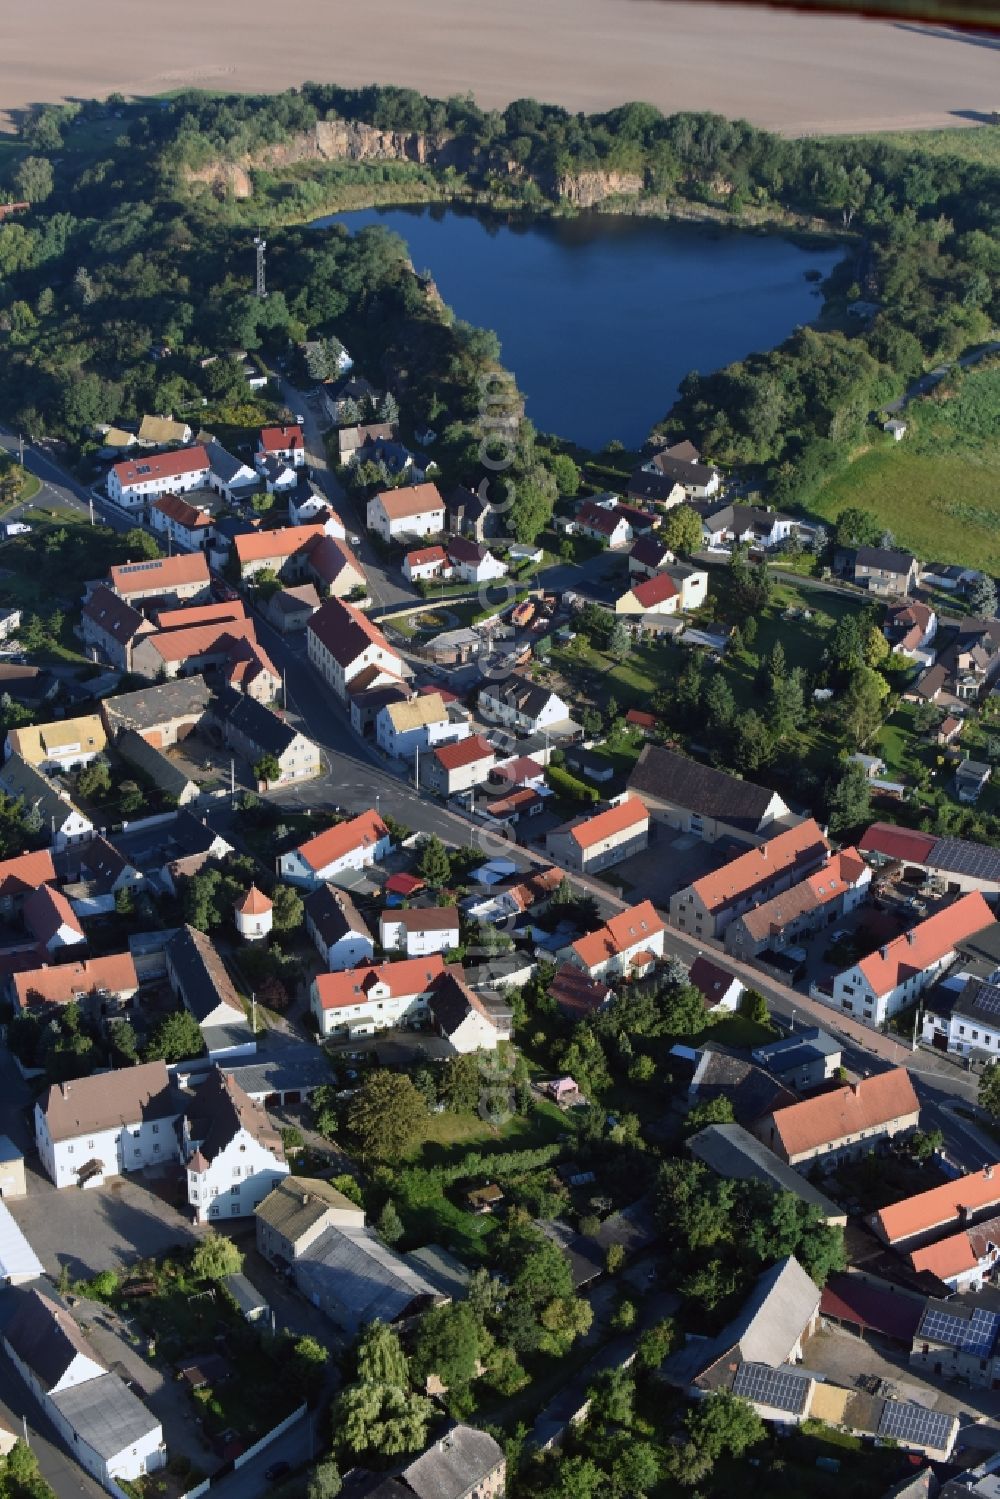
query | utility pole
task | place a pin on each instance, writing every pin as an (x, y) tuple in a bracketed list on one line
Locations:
[(253, 1013), (24, 1423), (416, 769), (261, 245), (20, 448), (916, 1020), (232, 777), (284, 689), (91, 503)]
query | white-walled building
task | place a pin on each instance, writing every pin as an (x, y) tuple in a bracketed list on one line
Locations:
[(473, 562), (65, 823), (233, 1153), (138, 481), (458, 767), (419, 930), (893, 976), (92, 1128), (518, 703), (343, 642), (425, 563), (413, 510), (254, 916), (356, 844), (188, 525), (419, 725), (630, 941), (337, 928), (591, 843), (367, 1000), (108, 1430), (286, 444)]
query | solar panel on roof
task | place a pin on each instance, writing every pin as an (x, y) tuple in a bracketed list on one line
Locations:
[(986, 999), (913, 1423), (976, 1335), (782, 1389), (976, 859)]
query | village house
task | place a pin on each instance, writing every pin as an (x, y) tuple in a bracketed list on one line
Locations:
[(233, 1153), (414, 510), (279, 475), (845, 1124), (103, 870), (63, 821), (695, 798), (518, 703), (884, 982), (51, 921), (105, 1427), (285, 552), (96, 1127), (588, 844), (884, 571), (654, 489), (966, 1023), (958, 1340), (472, 562), (352, 1276), (707, 906), (419, 930), (294, 1214), (462, 1464), (67, 744), (938, 1213), (737, 525), (187, 525), (287, 444), (649, 555), (601, 520), (135, 482), (462, 1019), (255, 733), (230, 477), (367, 1000), (352, 440), (110, 626), (629, 942), (576, 995), (200, 980), (250, 671), (469, 514), (172, 653), (698, 480), (160, 431), (22, 874), (460, 766), (964, 1260), (720, 989), (164, 714), (356, 844), (109, 983), (339, 932), (958, 863), (343, 643), (656, 595), (333, 567), (406, 729), (806, 1059), (426, 563), (834, 890), (291, 609), (184, 577), (253, 916), (308, 506), (909, 629)]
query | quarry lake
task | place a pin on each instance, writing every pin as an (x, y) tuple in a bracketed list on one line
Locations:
[(601, 316)]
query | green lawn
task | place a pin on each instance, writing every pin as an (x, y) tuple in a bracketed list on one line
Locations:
[(973, 143), (938, 490)]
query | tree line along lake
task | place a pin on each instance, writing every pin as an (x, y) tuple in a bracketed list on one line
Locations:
[(601, 316)]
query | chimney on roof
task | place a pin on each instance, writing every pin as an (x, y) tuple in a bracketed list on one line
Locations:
[(856, 1087), (988, 1173), (883, 952)]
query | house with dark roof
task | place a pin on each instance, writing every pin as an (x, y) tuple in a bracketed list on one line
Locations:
[(157, 767), (462, 1018), (576, 994), (518, 703), (696, 798), (751, 1091), (340, 933), (720, 989), (885, 571), (343, 643), (164, 713), (112, 626), (733, 1153), (699, 481), (354, 1278), (291, 609), (469, 514), (253, 731), (200, 980), (232, 1151), (64, 823), (462, 1464), (806, 1059)]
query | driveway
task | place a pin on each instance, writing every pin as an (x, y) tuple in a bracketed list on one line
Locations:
[(102, 1228), (670, 863)]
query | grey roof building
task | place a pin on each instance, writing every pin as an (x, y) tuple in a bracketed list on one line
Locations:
[(159, 768), (199, 976), (252, 723), (106, 1415), (712, 801), (461, 1463), (183, 698), (734, 1153), (354, 1278)]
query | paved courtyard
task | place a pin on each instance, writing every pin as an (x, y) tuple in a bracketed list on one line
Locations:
[(101, 1228), (846, 1359), (671, 862)]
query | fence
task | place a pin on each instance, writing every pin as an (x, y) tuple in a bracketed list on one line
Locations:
[(271, 1436), (198, 1490), (159, 821)]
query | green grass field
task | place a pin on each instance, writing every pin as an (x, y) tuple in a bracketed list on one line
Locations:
[(938, 490), (973, 143)]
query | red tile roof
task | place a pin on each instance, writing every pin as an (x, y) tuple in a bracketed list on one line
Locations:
[(413, 976), (256, 546), (325, 848), (411, 500), (191, 517), (24, 873), (849, 1298), (598, 518), (713, 982), (280, 439), (622, 932), (838, 874), (423, 555), (640, 719), (464, 752), (949, 1257), (893, 842), (161, 466), (63, 982), (926, 943), (159, 576), (655, 590), (403, 884), (940, 1206), (199, 614), (575, 993), (831, 1117), (759, 866), (201, 640), (254, 903), (627, 815)]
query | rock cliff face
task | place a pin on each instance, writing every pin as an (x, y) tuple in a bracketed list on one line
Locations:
[(588, 188)]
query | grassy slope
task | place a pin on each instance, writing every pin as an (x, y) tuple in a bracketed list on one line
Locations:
[(938, 490)]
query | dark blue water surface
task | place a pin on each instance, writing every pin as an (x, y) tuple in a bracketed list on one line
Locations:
[(601, 316)]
